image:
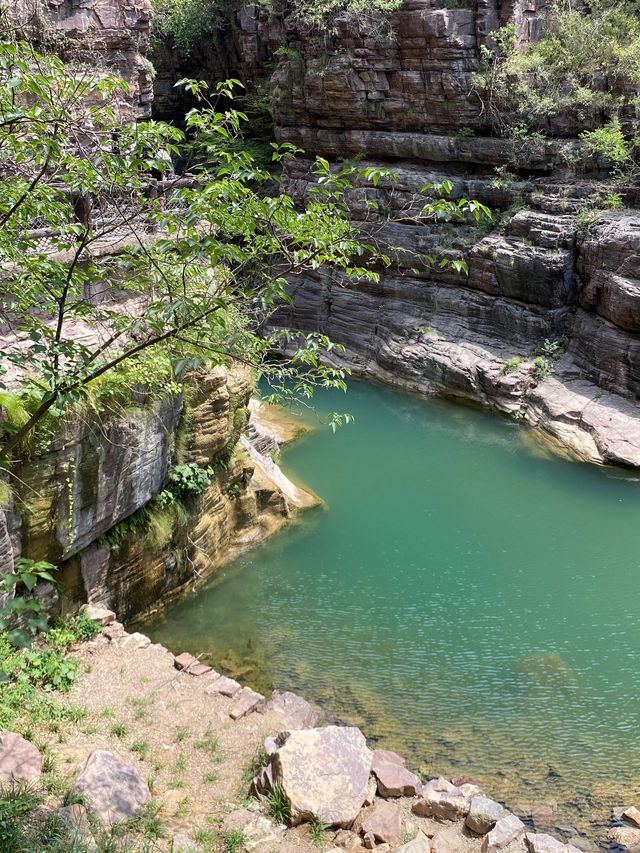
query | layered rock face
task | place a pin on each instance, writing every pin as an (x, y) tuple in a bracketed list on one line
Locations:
[(105, 36), (79, 498), (408, 101)]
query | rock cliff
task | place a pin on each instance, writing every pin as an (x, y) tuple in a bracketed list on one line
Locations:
[(542, 283), (85, 499)]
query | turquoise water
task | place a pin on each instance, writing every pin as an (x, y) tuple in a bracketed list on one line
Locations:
[(461, 596)]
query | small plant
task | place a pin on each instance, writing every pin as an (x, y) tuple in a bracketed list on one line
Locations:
[(22, 615), (210, 744), (318, 831), (466, 132), (511, 366), (278, 806), (181, 734), (141, 748), (119, 730), (211, 776), (233, 841), (542, 367)]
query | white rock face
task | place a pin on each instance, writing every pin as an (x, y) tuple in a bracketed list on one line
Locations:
[(324, 774)]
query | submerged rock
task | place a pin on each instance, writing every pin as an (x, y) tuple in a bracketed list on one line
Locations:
[(20, 761), (296, 711), (324, 774), (625, 836), (113, 790)]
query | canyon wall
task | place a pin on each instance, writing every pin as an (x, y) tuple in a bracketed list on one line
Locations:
[(407, 101), (84, 500)]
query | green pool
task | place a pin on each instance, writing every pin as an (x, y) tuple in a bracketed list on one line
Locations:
[(461, 596)]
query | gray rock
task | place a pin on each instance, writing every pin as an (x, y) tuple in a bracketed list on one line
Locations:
[(506, 830), (20, 761), (324, 774), (183, 844), (483, 815), (113, 790)]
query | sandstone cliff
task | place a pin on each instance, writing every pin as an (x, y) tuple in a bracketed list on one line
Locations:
[(84, 500), (407, 101)]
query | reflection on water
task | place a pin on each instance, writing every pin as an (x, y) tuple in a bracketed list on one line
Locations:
[(460, 598)]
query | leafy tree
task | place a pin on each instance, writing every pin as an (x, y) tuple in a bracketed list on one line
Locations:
[(115, 281), (161, 274)]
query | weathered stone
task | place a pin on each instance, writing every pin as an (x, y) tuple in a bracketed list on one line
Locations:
[(261, 833), (441, 799), (183, 844), (540, 842), (625, 836), (483, 815), (247, 700), (347, 839), (113, 790), (98, 613), (20, 761), (420, 844), (296, 711), (138, 640), (188, 663), (394, 780), (384, 822), (324, 774), (369, 840), (446, 840), (224, 686), (632, 814), (506, 830)]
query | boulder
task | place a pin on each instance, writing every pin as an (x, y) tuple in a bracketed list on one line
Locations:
[(506, 830), (632, 814), (384, 822), (443, 800), (483, 815), (394, 780), (20, 761), (625, 836), (324, 774), (113, 790)]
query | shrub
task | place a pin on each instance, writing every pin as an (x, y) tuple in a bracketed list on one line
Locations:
[(511, 366)]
